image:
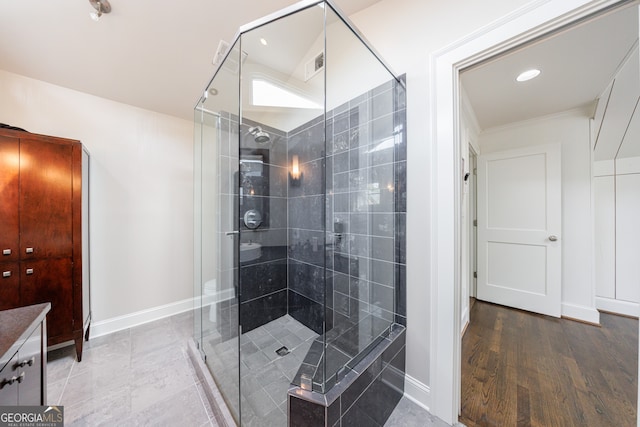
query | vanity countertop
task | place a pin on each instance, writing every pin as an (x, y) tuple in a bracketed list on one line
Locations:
[(16, 325)]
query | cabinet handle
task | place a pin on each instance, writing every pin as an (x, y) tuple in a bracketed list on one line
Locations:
[(9, 381), (29, 270), (26, 362), (29, 250), (20, 378), (6, 252), (6, 274)]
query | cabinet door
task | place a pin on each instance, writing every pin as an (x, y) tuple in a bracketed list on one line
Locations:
[(9, 285), (49, 280), (9, 196), (45, 199)]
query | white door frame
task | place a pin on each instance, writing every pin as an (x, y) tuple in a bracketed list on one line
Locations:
[(527, 23), (473, 221)]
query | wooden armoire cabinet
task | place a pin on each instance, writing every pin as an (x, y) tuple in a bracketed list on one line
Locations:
[(44, 231)]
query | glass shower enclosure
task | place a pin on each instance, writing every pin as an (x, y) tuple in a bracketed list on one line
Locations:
[(300, 195)]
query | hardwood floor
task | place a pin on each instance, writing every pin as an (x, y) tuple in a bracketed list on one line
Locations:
[(524, 369)]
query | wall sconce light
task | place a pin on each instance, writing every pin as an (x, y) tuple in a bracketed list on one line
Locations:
[(101, 6), (295, 176)]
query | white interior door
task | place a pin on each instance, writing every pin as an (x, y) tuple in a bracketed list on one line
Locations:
[(519, 229)]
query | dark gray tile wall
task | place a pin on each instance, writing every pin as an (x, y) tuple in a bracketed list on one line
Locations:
[(263, 281), (307, 239), (367, 214), (366, 196), (361, 237)]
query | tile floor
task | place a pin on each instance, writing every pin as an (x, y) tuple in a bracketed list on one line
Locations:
[(142, 377), (265, 375)]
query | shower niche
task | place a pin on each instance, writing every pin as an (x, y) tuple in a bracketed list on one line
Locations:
[(300, 213)]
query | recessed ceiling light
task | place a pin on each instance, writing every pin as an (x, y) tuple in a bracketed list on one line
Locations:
[(264, 42), (528, 75)]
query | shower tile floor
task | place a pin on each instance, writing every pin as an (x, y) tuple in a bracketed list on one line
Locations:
[(142, 377), (265, 375)]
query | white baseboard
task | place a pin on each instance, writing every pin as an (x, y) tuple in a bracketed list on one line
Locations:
[(464, 321), (611, 305), (582, 313), (115, 324), (417, 392)]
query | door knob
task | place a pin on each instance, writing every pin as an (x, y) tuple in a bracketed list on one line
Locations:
[(553, 238)]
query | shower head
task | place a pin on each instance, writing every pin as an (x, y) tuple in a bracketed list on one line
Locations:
[(259, 136)]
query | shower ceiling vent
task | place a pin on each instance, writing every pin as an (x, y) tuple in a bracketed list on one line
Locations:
[(231, 64), (314, 66)]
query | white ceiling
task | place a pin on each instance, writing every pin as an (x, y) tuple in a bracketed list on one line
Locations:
[(150, 54), (576, 66)]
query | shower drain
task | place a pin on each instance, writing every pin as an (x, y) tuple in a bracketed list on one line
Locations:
[(282, 351)]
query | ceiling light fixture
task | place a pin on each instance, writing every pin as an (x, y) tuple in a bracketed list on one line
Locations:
[(101, 6), (528, 75)]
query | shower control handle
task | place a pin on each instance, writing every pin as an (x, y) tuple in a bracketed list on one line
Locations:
[(252, 219)]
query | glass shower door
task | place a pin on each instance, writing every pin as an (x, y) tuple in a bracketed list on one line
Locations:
[(216, 154)]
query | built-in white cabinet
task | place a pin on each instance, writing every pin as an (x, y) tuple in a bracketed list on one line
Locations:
[(616, 192), (628, 237), (605, 232)]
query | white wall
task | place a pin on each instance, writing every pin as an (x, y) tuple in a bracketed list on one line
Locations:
[(406, 33), (141, 191), (571, 130)]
